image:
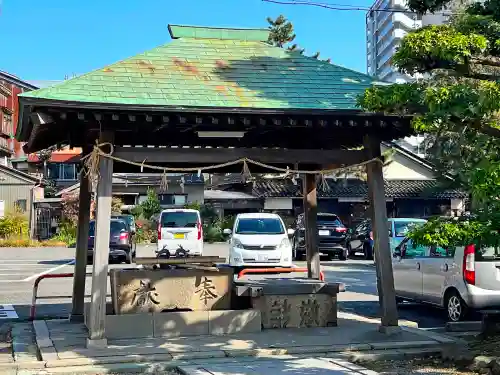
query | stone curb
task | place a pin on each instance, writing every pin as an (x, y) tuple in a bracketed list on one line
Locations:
[(135, 368), (140, 363), (443, 339), (390, 354), (464, 326)]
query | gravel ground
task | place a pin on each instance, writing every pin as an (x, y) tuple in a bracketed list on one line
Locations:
[(422, 366), (436, 366)]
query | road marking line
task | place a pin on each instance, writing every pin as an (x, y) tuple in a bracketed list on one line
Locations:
[(33, 277), (8, 312), (11, 281), (7, 307), (13, 274), (27, 266)]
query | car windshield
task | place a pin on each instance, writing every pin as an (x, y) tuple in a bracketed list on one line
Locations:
[(403, 227), (260, 226), (115, 226), (179, 219)]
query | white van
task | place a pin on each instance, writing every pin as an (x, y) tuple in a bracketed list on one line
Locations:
[(180, 230), (259, 239)]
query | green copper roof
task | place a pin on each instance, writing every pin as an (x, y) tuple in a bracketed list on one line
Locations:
[(215, 67)]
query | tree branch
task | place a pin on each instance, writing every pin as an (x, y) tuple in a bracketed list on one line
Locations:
[(489, 61)]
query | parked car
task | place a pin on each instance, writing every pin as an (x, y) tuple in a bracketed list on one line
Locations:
[(122, 246), (331, 237), (360, 238), (129, 219), (458, 279), (259, 239), (180, 231)]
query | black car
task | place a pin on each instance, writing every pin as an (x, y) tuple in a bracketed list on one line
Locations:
[(331, 236), (360, 240), (122, 246)]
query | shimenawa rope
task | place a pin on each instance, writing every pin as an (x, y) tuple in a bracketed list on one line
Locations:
[(91, 162)]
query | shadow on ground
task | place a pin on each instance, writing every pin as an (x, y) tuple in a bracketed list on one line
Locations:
[(56, 262)]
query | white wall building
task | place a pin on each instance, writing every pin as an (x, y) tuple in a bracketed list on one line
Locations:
[(384, 31), (387, 22)]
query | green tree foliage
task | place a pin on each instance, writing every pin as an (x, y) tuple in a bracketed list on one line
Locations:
[(116, 205), (151, 206), (456, 102), (282, 33)]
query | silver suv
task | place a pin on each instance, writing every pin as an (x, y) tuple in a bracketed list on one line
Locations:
[(459, 279)]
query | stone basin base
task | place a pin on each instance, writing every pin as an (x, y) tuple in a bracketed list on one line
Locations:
[(290, 302), (181, 323), (297, 311)]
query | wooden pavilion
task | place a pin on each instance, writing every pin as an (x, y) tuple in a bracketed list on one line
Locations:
[(211, 96)]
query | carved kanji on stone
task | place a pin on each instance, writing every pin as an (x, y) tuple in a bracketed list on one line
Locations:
[(206, 290), (145, 295), (279, 313), (309, 313)]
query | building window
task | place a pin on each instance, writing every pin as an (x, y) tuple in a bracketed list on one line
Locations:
[(172, 199), (62, 171), (21, 205)]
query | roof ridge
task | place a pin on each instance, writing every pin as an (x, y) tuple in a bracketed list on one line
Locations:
[(222, 33)]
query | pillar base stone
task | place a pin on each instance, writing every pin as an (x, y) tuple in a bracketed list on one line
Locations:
[(97, 343), (389, 330)]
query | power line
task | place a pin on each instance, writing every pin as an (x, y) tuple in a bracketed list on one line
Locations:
[(331, 6)]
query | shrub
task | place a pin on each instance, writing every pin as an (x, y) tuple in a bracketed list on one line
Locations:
[(14, 223), (67, 233), (213, 233), (20, 242), (70, 205), (146, 231), (137, 211), (151, 206), (116, 205)]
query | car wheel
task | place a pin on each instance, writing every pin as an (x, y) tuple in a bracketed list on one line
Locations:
[(368, 252), (399, 300), (456, 309)]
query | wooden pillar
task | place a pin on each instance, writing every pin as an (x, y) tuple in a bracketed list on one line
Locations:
[(383, 258), (97, 315), (78, 303), (311, 228)]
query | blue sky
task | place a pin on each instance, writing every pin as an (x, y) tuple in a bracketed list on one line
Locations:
[(48, 39)]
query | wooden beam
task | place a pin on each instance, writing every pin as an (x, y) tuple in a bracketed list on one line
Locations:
[(81, 252), (97, 315), (40, 118), (221, 155), (383, 256), (311, 227)]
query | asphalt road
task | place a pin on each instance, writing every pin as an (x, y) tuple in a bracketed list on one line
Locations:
[(19, 267)]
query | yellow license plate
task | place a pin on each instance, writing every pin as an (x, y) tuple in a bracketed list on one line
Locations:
[(179, 236)]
